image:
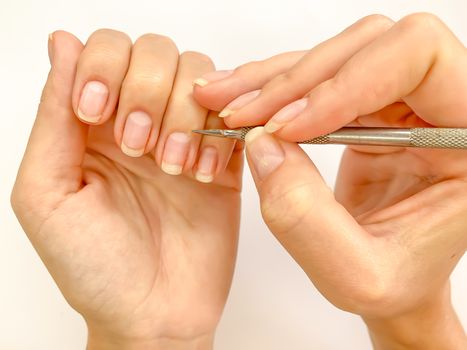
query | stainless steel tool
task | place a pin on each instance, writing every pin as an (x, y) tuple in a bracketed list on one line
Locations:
[(413, 137)]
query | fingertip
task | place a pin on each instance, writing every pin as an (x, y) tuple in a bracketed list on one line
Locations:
[(225, 112), (212, 77), (265, 153), (92, 102), (200, 82), (240, 102), (212, 96), (65, 41), (232, 123), (216, 93), (50, 48), (64, 50), (209, 79), (253, 134), (327, 108), (271, 127)]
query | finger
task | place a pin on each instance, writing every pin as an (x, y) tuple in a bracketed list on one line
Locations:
[(51, 167), (301, 211), (214, 152), (215, 90), (177, 147), (319, 64), (419, 61), (145, 93), (396, 115), (101, 69)]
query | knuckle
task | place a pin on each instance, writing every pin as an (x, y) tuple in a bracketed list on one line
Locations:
[(151, 38), (15, 200), (372, 295), (105, 54), (282, 82), (148, 37), (20, 201), (147, 83), (284, 209), (248, 68), (367, 297), (289, 77), (105, 34), (104, 57), (338, 86), (195, 56), (422, 24), (376, 22)]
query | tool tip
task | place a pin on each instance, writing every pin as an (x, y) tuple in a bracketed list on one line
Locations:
[(212, 132)]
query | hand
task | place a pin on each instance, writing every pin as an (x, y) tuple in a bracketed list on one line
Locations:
[(384, 244), (146, 258)]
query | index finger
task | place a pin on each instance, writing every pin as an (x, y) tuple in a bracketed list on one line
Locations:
[(419, 60)]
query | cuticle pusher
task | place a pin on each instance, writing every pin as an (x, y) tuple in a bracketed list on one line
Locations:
[(400, 137)]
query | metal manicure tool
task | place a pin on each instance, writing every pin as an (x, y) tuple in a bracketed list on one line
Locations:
[(414, 137)]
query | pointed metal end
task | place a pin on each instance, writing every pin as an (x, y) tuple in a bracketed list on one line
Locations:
[(210, 132)]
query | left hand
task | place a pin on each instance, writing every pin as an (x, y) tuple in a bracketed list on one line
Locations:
[(146, 258)]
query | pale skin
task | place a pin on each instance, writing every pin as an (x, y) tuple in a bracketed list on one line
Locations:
[(147, 258), (384, 244)]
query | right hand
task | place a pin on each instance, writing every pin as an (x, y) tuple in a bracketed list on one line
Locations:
[(384, 245)]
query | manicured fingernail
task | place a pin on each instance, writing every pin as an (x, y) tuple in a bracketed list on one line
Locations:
[(285, 115), (212, 76), (136, 133), (200, 81), (175, 153), (50, 47), (207, 165), (239, 102), (93, 100), (265, 153)]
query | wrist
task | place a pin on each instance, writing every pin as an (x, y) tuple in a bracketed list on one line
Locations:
[(98, 340), (433, 325)]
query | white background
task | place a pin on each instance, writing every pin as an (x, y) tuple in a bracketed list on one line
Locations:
[(272, 305)]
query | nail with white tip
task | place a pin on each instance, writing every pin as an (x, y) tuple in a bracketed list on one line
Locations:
[(240, 102), (212, 77), (285, 115), (92, 101), (136, 133), (175, 153), (207, 164)]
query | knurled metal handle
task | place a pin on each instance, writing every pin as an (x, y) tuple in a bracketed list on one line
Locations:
[(399, 137), (438, 138)]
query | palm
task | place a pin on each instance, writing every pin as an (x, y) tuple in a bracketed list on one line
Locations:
[(370, 182), (153, 246), (394, 194), (375, 178)]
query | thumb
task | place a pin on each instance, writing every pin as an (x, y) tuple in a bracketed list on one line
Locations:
[(300, 209), (51, 166)]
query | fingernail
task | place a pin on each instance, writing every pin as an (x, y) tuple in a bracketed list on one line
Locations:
[(264, 151), (175, 153), (50, 47), (239, 102), (285, 115), (136, 133), (212, 76), (206, 165), (92, 102)]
